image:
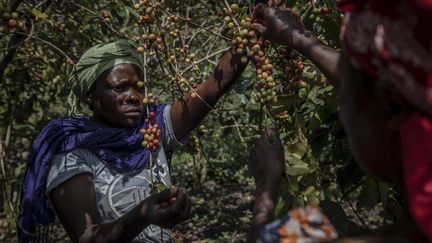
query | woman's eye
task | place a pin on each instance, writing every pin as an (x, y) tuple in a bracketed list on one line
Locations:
[(119, 88)]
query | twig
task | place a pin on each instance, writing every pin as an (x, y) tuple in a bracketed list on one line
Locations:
[(356, 213), (204, 153), (239, 132), (6, 184), (199, 26), (51, 45), (100, 17), (206, 58)]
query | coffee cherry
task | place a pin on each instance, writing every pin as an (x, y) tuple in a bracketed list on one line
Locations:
[(151, 115), (244, 59), (234, 7), (140, 49), (11, 23), (324, 11), (140, 84), (164, 205), (172, 200)]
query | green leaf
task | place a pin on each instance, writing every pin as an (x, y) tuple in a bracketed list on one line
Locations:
[(297, 149), (315, 121), (241, 86), (131, 11), (39, 14), (311, 195), (296, 166), (369, 195)]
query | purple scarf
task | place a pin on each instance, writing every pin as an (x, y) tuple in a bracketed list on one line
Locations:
[(119, 148)]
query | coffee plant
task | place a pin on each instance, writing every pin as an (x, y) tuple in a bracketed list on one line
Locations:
[(180, 43)]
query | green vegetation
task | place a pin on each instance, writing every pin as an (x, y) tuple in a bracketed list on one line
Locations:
[(180, 42)]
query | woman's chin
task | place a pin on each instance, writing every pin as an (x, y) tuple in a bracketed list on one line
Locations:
[(132, 121)]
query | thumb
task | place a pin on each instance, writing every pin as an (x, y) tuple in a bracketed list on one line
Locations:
[(258, 11), (259, 27)]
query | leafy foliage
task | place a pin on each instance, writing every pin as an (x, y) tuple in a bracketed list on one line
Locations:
[(37, 54)]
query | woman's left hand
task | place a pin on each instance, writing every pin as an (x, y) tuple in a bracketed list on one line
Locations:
[(167, 208)]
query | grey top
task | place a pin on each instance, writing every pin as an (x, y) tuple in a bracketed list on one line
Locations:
[(117, 193)]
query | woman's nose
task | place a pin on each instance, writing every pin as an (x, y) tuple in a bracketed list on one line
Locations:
[(133, 96)]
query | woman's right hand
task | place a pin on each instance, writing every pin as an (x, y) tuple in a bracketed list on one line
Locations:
[(167, 208), (279, 25), (266, 158)]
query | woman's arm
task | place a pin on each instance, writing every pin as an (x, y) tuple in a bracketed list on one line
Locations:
[(267, 165), (188, 112), (75, 204), (284, 27)]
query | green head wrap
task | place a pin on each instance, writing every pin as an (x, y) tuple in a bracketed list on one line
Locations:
[(92, 64)]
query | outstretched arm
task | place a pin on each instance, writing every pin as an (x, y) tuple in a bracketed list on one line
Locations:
[(188, 112), (267, 165), (284, 27)]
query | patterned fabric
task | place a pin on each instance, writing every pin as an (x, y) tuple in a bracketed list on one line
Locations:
[(119, 148), (301, 225), (391, 42), (117, 193)]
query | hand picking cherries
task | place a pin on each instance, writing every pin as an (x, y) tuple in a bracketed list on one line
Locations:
[(247, 44)]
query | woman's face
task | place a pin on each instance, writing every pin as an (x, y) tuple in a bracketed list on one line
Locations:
[(116, 99)]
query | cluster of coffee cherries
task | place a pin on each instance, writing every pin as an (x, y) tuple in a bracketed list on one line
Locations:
[(265, 87), (249, 46), (172, 19), (184, 82), (318, 13), (152, 134), (194, 144), (172, 25), (148, 10), (293, 67), (9, 20), (106, 15), (149, 100), (149, 41), (283, 116)]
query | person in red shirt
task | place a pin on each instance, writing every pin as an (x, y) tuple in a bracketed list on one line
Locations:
[(383, 76)]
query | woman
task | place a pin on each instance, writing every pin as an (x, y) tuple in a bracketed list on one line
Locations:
[(384, 80), (93, 172)]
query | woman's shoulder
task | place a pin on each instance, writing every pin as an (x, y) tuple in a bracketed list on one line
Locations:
[(75, 157), (65, 122)]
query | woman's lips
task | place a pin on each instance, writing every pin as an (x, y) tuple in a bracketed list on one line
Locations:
[(133, 112)]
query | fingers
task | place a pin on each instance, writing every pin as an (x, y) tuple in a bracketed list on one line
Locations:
[(259, 11), (259, 27), (176, 204), (259, 16), (166, 194)]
